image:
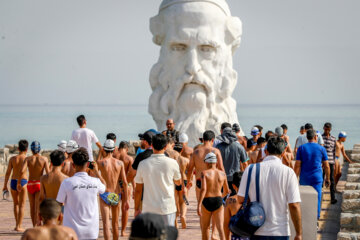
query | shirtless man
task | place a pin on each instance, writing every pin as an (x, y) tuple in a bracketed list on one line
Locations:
[(123, 156), (232, 207), (112, 171), (68, 167), (340, 150), (36, 165), (289, 155), (211, 198), (50, 183), (19, 197), (258, 154), (181, 194), (242, 140), (186, 150), (102, 153), (197, 160), (170, 149), (50, 215)]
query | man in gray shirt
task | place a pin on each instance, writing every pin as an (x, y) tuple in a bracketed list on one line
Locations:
[(233, 154)]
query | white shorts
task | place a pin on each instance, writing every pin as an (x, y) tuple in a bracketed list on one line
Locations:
[(169, 219)]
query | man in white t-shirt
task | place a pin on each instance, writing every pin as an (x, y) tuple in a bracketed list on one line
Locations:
[(279, 191), (158, 176), (85, 137), (79, 196)]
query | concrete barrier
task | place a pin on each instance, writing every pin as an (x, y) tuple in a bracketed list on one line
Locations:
[(309, 203)]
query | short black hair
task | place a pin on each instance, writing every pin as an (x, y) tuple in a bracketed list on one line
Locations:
[(225, 125), (57, 157), (308, 126), (259, 127), (260, 140), (159, 142), (237, 178), (123, 144), (80, 120), (23, 145), (208, 135), (327, 125), (302, 128), (49, 209), (80, 157), (111, 136), (284, 127), (178, 147), (310, 134), (268, 134), (276, 145)]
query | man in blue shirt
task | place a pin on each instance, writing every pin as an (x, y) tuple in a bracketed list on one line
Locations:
[(310, 159)]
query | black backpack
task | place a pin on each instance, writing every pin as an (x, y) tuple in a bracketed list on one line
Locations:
[(250, 217)]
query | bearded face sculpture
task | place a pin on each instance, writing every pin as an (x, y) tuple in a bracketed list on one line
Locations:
[(193, 80)]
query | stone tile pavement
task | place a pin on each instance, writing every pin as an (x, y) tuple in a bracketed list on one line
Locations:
[(329, 223)]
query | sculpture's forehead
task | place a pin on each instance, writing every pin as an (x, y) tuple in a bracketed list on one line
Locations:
[(196, 19)]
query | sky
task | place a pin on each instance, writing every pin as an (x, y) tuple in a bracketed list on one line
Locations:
[(101, 52)]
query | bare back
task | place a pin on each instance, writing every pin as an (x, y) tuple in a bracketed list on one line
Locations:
[(172, 154), (199, 156), (50, 233), (112, 170), (187, 152), (51, 183), (67, 168), (183, 164), (16, 163), (127, 161), (36, 165), (215, 180)]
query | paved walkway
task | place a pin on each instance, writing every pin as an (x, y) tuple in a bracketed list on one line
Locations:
[(329, 223)]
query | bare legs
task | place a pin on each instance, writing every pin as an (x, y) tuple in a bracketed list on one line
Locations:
[(34, 202), (218, 218), (124, 214), (105, 215)]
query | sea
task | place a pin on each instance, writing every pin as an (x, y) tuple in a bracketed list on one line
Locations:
[(49, 124)]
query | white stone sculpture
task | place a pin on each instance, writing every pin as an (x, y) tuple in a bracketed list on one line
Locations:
[(193, 80)]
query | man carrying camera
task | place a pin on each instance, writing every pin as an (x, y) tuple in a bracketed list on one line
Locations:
[(79, 196)]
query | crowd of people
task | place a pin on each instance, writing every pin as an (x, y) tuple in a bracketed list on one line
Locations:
[(65, 201)]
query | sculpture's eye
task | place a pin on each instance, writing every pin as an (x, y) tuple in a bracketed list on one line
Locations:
[(207, 48), (179, 47)]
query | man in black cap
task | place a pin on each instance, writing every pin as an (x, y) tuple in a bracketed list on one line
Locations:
[(151, 226), (145, 144)]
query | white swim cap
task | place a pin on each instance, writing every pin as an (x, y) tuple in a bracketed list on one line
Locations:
[(210, 158), (71, 146), (62, 146), (109, 145), (183, 138)]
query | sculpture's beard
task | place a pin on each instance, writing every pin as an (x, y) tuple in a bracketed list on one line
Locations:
[(190, 100)]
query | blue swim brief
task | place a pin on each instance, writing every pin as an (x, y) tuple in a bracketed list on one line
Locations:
[(13, 183), (110, 198)]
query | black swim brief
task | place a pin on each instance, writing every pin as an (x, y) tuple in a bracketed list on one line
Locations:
[(212, 203), (198, 183)]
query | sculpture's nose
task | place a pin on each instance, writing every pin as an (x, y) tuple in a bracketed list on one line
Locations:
[(193, 65)]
